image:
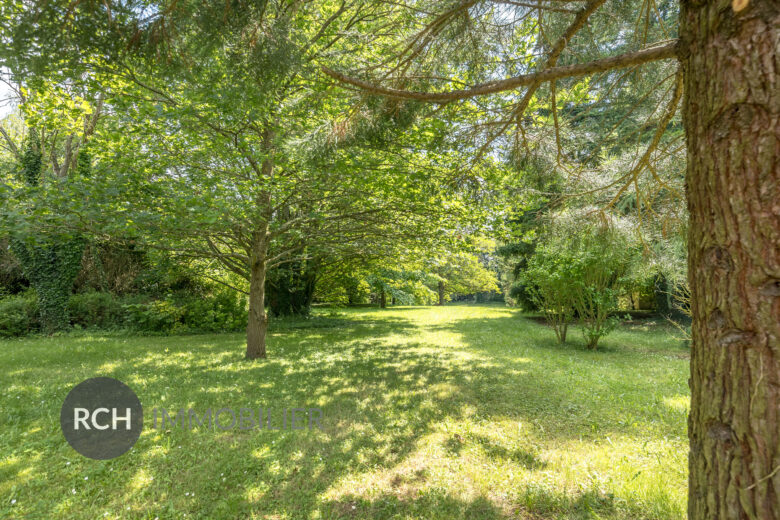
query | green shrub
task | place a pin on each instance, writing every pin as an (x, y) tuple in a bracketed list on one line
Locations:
[(549, 280), (154, 316), (222, 311), (602, 258), (522, 293), (580, 269), (95, 309), (19, 315)]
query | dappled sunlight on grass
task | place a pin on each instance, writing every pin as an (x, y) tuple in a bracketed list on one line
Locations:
[(681, 403), (140, 480), (439, 412)]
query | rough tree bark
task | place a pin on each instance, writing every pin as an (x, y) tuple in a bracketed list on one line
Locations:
[(441, 292), (257, 323), (731, 110)]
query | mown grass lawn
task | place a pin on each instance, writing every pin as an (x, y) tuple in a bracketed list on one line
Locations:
[(429, 412)]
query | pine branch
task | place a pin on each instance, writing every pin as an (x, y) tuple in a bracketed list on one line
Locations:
[(661, 52)]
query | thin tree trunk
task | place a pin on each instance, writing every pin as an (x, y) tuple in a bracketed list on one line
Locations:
[(661, 293), (382, 299), (732, 112), (441, 293), (257, 324)]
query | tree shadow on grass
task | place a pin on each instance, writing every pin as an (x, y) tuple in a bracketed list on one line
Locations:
[(521, 372), (378, 402), (373, 396), (531, 504), (411, 504)]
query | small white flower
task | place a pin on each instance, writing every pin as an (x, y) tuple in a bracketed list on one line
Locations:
[(186, 494), (67, 463), (86, 478), (13, 501), (73, 491)]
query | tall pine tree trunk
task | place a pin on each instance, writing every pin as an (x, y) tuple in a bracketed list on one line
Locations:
[(732, 111)]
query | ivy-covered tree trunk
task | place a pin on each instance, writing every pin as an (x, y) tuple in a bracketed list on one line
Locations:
[(51, 265), (732, 118)]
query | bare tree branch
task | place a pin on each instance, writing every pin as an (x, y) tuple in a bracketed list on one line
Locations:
[(11, 144)]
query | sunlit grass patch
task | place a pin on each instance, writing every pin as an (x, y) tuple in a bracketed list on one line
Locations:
[(440, 412)]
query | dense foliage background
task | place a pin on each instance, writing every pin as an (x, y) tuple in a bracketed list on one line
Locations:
[(161, 171)]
